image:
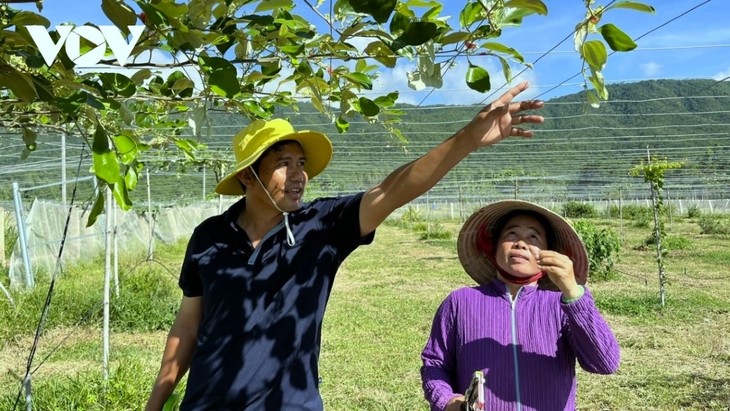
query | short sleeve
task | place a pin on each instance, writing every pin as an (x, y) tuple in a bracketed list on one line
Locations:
[(190, 281)]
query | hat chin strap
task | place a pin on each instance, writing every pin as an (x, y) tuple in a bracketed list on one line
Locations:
[(289, 235)]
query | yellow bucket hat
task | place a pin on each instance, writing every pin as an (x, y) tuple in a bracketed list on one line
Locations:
[(251, 142)]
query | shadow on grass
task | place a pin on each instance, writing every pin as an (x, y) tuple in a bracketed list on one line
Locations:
[(691, 390)]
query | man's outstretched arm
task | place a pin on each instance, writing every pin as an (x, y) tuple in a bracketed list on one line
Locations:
[(495, 122)]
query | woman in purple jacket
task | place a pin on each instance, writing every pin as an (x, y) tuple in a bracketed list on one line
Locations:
[(528, 321)]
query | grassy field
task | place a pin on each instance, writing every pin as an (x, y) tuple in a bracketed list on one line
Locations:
[(675, 357)]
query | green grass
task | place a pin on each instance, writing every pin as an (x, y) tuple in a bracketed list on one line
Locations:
[(675, 357)]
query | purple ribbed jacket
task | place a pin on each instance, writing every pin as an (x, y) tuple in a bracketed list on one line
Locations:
[(527, 348)]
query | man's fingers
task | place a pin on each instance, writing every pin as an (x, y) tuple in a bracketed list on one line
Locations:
[(513, 92), (528, 118), (520, 132), (517, 106)]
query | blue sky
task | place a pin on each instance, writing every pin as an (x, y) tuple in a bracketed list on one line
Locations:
[(693, 45)]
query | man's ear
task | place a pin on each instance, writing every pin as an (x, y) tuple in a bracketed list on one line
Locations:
[(245, 177)]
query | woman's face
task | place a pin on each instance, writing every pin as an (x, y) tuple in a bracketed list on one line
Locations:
[(519, 244)]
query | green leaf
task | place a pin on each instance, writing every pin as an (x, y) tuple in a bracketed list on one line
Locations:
[(599, 83), (292, 49), (20, 84), (29, 138), (92, 101), (632, 5), (106, 166), (140, 76), (154, 16), (126, 147), (477, 78), (455, 37), (171, 9), (121, 194), (342, 124), (222, 76), (362, 80), (27, 18), (120, 84), (417, 33), (535, 6), (506, 69), (471, 13), (256, 109), (501, 48), (267, 5), (96, 209), (387, 101), (187, 146), (594, 53), (131, 177), (593, 99), (617, 39), (368, 108), (172, 402), (120, 14), (379, 9), (381, 53)]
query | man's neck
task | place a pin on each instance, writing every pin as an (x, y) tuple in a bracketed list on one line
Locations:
[(257, 221)]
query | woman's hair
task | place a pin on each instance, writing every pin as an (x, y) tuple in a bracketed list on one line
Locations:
[(549, 231)]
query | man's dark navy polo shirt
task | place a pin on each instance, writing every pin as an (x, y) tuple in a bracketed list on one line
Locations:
[(259, 337)]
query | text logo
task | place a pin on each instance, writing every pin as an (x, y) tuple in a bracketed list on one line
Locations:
[(70, 38)]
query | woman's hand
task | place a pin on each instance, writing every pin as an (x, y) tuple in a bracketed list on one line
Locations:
[(559, 268), (455, 403)]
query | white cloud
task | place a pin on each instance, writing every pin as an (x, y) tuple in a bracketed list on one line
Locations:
[(651, 68), (723, 75)]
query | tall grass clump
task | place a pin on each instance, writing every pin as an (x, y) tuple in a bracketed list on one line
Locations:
[(87, 390), (71, 305), (694, 211), (576, 209), (630, 212), (714, 224), (148, 300)]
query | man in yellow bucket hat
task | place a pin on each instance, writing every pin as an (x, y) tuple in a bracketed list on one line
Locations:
[(256, 279)]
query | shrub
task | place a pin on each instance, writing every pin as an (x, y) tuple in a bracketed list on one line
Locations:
[(668, 243), (630, 212), (602, 245), (677, 242), (693, 211), (642, 221), (411, 215), (711, 224), (575, 209), (436, 231)]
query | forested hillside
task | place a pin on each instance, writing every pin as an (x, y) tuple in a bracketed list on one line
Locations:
[(579, 152)]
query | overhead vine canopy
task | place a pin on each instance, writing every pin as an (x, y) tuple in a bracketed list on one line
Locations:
[(165, 64)]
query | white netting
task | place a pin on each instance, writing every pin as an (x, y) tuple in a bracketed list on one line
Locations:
[(46, 221)]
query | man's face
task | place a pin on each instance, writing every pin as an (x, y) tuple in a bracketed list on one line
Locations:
[(281, 171), (518, 245)]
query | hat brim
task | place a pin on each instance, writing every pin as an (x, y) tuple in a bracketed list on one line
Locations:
[(482, 270), (317, 149)]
